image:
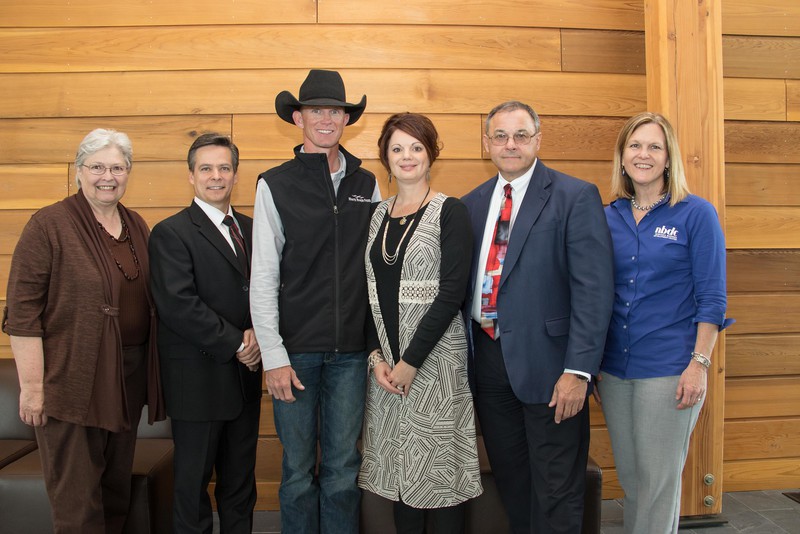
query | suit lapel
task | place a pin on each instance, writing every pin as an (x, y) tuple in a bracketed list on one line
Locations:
[(213, 235), (536, 198), (479, 223)]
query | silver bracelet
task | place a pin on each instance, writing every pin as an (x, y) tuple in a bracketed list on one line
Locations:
[(702, 359)]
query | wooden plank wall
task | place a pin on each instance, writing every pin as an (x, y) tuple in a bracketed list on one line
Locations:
[(164, 74)]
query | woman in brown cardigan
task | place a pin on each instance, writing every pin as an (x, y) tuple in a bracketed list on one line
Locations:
[(81, 322)]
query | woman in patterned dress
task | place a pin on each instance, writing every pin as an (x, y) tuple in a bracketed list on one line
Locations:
[(419, 446)]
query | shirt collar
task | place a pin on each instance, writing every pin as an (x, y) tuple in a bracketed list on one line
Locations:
[(213, 213), (519, 184)]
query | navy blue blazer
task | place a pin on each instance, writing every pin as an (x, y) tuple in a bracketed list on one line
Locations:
[(556, 291), (203, 301)]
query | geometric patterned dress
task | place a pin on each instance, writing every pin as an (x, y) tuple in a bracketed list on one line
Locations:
[(421, 447)]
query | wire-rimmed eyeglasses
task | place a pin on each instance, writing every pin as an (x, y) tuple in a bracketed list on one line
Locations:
[(99, 169), (520, 138)]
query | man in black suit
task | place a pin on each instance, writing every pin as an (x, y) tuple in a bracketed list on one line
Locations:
[(540, 303), (210, 360)]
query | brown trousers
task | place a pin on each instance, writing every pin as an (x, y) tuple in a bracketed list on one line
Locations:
[(87, 470)]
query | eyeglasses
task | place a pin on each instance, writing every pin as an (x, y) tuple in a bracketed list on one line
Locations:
[(98, 169), (520, 138)]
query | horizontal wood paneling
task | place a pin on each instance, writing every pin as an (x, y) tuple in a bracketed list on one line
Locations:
[(761, 142), (765, 313), (770, 438), (760, 57), (755, 184), (793, 100), (268, 459), (763, 270), (56, 140), (267, 424), (762, 355), (11, 224), (566, 138), (600, 448), (178, 48), (743, 56), (602, 51), (245, 91), (5, 266), (762, 397), (761, 17), (605, 14), (57, 13), (755, 99), (32, 186), (754, 475), (763, 227)]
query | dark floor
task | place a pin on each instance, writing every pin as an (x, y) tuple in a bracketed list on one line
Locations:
[(751, 512)]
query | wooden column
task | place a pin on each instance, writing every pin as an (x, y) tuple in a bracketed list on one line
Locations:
[(684, 83)]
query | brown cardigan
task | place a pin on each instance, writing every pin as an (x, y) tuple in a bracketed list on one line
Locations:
[(56, 292)]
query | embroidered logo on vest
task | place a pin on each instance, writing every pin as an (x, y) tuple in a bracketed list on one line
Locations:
[(358, 198)]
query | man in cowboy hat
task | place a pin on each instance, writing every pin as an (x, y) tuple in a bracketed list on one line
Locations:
[(309, 303)]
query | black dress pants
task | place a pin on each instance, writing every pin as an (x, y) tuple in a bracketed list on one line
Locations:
[(539, 466)]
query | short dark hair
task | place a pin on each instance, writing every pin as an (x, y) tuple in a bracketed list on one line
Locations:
[(417, 126), (213, 138)]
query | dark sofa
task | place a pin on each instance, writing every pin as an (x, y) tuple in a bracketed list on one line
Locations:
[(24, 507)]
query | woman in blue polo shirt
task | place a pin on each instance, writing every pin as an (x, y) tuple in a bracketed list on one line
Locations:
[(669, 260)]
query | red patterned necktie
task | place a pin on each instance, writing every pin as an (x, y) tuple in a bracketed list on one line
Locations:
[(494, 266), (238, 243)]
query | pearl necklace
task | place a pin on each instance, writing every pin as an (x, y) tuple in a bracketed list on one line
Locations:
[(391, 259), (650, 206)]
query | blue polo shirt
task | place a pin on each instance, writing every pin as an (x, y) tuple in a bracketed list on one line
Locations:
[(669, 274)]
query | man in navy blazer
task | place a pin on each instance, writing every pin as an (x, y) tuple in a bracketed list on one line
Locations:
[(535, 351), (210, 360)]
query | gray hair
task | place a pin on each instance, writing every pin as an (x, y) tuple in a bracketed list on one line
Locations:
[(513, 105), (98, 140)]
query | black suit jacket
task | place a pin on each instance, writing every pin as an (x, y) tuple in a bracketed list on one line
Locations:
[(203, 302), (557, 288)]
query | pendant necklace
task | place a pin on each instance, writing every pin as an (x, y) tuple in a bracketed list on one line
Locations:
[(391, 259), (126, 236)]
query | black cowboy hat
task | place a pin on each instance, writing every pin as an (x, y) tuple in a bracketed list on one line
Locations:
[(321, 88)]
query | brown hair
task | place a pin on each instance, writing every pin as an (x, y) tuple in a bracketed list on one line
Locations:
[(215, 139), (417, 126)]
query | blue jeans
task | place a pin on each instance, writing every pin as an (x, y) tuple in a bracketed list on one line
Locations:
[(331, 410)]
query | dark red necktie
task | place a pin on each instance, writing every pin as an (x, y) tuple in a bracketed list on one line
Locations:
[(494, 266), (238, 244)]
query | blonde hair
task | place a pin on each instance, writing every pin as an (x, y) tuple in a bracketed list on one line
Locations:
[(675, 184)]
